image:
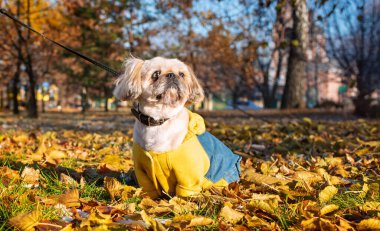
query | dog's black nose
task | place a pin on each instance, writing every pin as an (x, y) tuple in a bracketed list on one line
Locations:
[(170, 75)]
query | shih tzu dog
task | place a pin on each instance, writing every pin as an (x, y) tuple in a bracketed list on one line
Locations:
[(172, 151)]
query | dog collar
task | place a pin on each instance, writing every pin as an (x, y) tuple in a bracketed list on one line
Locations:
[(145, 119)]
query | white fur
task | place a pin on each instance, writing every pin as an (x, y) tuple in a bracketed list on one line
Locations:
[(165, 137)]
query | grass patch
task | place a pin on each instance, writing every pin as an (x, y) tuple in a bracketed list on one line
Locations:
[(347, 200)]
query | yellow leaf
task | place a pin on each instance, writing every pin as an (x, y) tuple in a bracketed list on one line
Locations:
[(271, 197), (370, 206), (153, 223), (25, 221), (182, 206), (230, 215), (70, 198), (263, 205), (307, 120), (364, 191), (147, 203), (265, 168), (344, 225), (107, 151), (112, 186), (310, 224), (308, 177), (369, 224), (187, 221), (370, 143), (373, 191), (261, 179), (327, 194), (96, 218), (328, 209), (256, 222), (113, 162)]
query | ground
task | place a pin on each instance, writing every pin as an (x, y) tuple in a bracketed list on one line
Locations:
[(300, 171)]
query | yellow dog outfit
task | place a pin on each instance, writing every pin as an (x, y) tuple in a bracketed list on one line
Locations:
[(200, 162)]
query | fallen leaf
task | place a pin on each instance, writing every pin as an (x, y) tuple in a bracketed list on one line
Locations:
[(261, 179), (328, 209), (369, 224), (327, 194), (230, 215), (182, 206), (96, 218), (371, 206), (310, 224), (25, 221), (187, 221), (70, 198), (30, 176)]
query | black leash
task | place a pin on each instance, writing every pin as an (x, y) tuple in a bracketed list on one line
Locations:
[(101, 65)]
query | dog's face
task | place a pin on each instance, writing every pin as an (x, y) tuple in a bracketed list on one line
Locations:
[(158, 81)]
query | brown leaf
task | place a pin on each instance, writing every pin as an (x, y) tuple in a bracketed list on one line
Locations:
[(68, 180), (256, 222), (326, 225), (310, 224), (25, 221), (8, 175), (147, 203), (113, 187)]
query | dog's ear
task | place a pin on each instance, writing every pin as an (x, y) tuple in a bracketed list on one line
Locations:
[(196, 94), (128, 85)]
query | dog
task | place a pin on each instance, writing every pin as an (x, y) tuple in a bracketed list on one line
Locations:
[(173, 153)]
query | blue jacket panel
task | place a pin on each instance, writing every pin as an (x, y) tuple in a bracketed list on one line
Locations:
[(224, 164)]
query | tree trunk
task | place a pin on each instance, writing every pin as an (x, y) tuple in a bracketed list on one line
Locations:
[(1, 99), (84, 99), (269, 101), (43, 101), (105, 99), (16, 80), (32, 101), (294, 91), (235, 98)]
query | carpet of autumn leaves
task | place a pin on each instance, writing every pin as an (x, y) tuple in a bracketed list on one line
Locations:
[(298, 174)]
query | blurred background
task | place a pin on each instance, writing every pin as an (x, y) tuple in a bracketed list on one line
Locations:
[(248, 54)]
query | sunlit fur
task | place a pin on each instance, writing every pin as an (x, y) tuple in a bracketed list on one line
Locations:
[(159, 98)]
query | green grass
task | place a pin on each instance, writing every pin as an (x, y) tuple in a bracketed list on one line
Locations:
[(347, 200), (91, 191)]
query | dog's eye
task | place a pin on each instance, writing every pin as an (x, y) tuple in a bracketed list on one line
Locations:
[(155, 75), (181, 74)]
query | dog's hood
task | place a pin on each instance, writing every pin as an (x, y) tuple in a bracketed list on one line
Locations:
[(196, 125)]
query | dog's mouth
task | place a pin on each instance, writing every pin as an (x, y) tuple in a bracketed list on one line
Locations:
[(169, 92), (171, 95)]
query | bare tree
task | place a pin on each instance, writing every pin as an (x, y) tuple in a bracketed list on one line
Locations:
[(354, 39)]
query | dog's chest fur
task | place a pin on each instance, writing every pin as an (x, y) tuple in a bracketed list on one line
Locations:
[(165, 137)]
